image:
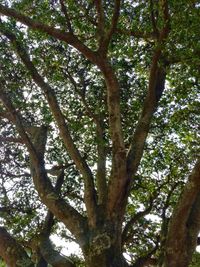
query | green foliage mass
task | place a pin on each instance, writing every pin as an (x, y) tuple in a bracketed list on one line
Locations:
[(173, 141)]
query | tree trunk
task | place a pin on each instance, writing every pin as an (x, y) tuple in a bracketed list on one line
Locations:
[(184, 225), (12, 252), (104, 246), (111, 257)]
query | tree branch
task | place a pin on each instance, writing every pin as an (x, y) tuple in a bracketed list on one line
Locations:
[(114, 21), (102, 186), (53, 257), (64, 10), (154, 19), (90, 193), (103, 48), (11, 139), (185, 223), (118, 178), (156, 87), (101, 17), (11, 251), (155, 90), (67, 37), (42, 243), (133, 220), (101, 150), (62, 210)]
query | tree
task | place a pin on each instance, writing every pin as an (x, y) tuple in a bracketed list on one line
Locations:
[(100, 102)]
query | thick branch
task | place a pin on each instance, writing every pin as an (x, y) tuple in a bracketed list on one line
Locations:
[(113, 26), (67, 37), (90, 194), (184, 225), (118, 178), (100, 16), (53, 257), (101, 164), (155, 90), (64, 10), (62, 210), (11, 251)]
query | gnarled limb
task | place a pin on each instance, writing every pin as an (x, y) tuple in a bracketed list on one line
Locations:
[(61, 209), (90, 193), (67, 37), (184, 225), (52, 256), (10, 250)]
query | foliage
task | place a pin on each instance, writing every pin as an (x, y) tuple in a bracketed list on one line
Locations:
[(39, 67)]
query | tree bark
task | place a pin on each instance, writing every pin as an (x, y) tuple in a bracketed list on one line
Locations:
[(10, 250), (184, 225), (104, 247)]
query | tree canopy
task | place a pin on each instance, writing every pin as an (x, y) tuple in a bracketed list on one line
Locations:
[(99, 138)]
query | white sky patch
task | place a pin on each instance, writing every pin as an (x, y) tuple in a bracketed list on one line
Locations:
[(67, 247)]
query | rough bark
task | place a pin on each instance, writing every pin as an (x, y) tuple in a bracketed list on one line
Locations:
[(62, 210), (185, 224), (90, 193), (52, 256), (13, 254), (104, 246), (118, 177)]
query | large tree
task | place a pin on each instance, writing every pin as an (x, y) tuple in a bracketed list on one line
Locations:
[(99, 131)]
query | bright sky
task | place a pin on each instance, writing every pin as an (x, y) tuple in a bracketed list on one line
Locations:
[(67, 247)]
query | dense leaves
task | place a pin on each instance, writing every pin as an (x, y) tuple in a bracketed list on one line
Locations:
[(119, 149)]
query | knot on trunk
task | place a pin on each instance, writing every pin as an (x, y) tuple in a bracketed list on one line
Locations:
[(100, 243)]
